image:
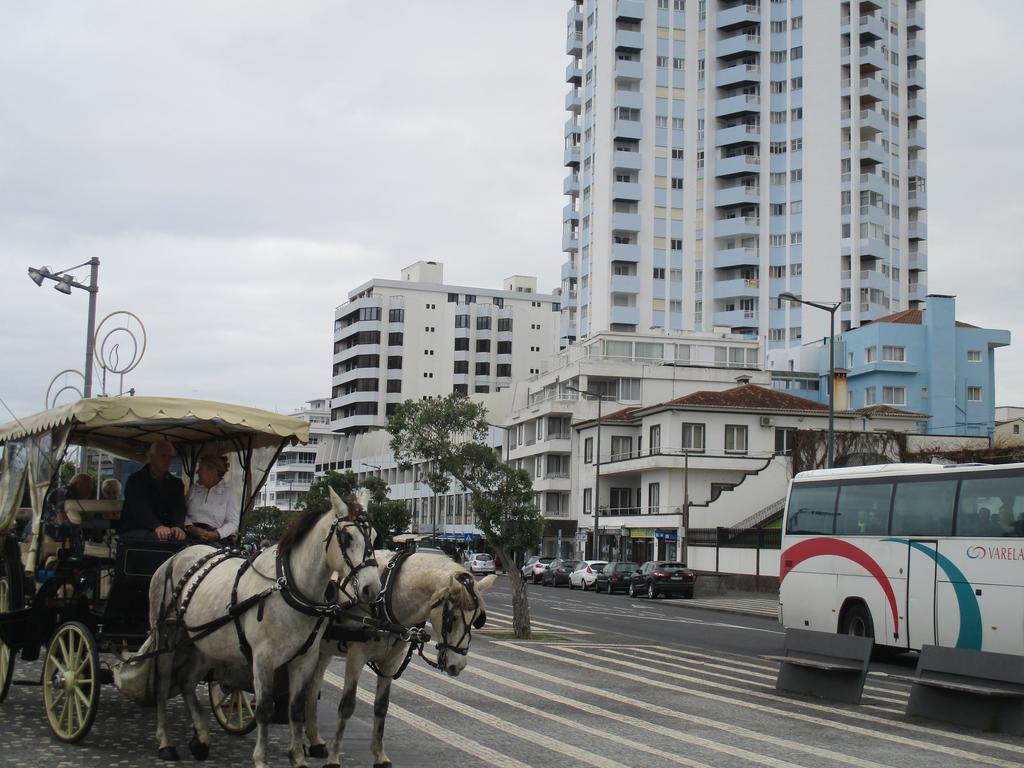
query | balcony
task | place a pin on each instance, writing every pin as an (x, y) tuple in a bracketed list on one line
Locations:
[(626, 252), (873, 248), (570, 241), (872, 87), (918, 260), (626, 161), (737, 165), (917, 291), (740, 195), (917, 230), (574, 43), (628, 99), (571, 126), (623, 190), (571, 185), (738, 105), (872, 182), (625, 315), (631, 10), (727, 258), (570, 213), (573, 73), (917, 168), (872, 57), (741, 288), (872, 152), (626, 222), (917, 199), (736, 318), (628, 70), (916, 78), (628, 129), (915, 47), (738, 226), (572, 156), (738, 16), (738, 45), (628, 41), (917, 138), (917, 108), (873, 120), (572, 101), (625, 284), (569, 270), (737, 134), (738, 74), (872, 27), (916, 17)]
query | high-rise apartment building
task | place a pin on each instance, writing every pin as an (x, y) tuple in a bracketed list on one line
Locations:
[(720, 153), (293, 472), (417, 337)]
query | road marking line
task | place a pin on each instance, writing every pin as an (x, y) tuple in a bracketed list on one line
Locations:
[(469, 746), (736, 730), (534, 737), (741, 702), (576, 725)]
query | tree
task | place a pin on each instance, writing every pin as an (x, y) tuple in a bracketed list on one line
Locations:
[(388, 516), (318, 499), (449, 433), (264, 523)]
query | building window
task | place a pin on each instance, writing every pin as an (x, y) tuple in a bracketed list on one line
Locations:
[(470, 298), (483, 345), (654, 443), (735, 438), (461, 366), (588, 450), (894, 354), (870, 354), (653, 498), (659, 273), (895, 395), (1016, 429), (483, 323), (395, 362), (784, 439), (462, 345), (622, 447), (974, 394), (453, 298), (676, 245), (482, 389), (462, 321), (504, 323), (587, 496), (869, 396), (395, 339), (394, 385), (504, 370), (620, 501), (693, 437), (396, 315), (461, 389), (973, 355), (483, 369), (504, 347)]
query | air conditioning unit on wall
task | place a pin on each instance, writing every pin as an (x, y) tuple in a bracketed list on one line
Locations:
[(767, 421)]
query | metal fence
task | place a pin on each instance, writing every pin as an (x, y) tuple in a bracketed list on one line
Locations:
[(736, 538)]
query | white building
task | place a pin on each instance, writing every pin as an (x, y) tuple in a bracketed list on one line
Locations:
[(417, 337), (293, 471), (720, 152)]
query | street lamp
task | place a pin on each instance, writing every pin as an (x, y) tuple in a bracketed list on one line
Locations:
[(597, 462), (831, 308), (64, 283)]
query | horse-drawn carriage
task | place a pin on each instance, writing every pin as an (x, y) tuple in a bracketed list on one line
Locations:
[(85, 592)]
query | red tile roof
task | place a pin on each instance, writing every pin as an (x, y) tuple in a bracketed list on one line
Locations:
[(750, 397), (911, 317), (888, 410)]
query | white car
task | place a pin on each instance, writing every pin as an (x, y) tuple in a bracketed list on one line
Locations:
[(535, 567), (585, 574), (479, 562)]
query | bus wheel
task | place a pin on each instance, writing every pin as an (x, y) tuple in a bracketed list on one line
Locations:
[(857, 622)]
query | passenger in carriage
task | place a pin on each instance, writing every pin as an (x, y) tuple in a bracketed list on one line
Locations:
[(55, 520), (213, 507), (110, 489), (154, 499)]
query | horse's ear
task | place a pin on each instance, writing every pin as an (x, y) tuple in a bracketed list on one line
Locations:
[(336, 503), (454, 586), (485, 583), (363, 498)]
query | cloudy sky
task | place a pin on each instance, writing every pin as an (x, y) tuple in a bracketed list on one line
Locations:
[(238, 167)]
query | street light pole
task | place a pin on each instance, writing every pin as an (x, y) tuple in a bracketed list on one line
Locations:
[(64, 285), (831, 308)]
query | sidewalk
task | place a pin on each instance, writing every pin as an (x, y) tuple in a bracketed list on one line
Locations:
[(747, 603)]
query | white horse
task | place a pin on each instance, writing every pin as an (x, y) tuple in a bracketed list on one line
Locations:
[(417, 588), (211, 611)]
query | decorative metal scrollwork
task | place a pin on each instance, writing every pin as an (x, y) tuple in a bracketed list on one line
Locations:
[(65, 386), (119, 345)]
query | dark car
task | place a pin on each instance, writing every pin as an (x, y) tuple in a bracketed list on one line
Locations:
[(657, 577), (558, 572), (615, 577)]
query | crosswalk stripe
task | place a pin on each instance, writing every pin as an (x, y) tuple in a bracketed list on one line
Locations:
[(695, 719), (739, 701), (578, 726), (447, 736)]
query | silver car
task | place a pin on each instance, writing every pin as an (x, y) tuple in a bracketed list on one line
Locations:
[(479, 562)]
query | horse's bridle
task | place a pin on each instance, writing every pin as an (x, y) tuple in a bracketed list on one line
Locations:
[(362, 524), (448, 614)]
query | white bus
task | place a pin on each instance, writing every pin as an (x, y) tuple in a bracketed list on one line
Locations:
[(910, 554)]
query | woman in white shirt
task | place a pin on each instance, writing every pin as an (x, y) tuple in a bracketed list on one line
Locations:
[(212, 507)]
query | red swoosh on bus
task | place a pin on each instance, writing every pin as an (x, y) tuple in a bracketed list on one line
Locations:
[(805, 550)]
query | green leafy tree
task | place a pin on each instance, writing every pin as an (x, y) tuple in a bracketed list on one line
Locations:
[(449, 433), (264, 523), (318, 498), (388, 516)]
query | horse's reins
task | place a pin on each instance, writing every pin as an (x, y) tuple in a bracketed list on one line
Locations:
[(448, 614)]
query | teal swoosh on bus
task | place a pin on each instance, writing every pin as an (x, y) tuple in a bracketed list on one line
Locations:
[(824, 545), (967, 602)]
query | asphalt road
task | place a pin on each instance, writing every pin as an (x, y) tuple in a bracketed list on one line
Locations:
[(618, 682)]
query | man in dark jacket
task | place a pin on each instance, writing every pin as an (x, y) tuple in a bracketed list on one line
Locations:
[(154, 499)]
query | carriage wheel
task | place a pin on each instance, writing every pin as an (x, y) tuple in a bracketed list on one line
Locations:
[(6, 652), (234, 710), (71, 681)]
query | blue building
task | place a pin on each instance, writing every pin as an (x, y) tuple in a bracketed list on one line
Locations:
[(923, 360)]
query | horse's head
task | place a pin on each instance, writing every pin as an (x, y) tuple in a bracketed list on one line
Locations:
[(350, 551), (455, 611)]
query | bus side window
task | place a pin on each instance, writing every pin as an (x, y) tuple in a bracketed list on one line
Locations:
[(1001, 497), (923, 508), (863, 509), (812, 508)]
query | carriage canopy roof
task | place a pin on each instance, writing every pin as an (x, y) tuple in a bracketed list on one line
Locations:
[(125, 426)]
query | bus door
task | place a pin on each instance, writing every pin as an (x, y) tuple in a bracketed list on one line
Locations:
[(922, 572)]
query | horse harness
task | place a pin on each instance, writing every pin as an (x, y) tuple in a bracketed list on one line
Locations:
[(284, 583)]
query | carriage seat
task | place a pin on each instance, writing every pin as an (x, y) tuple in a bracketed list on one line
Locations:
[(92, 513)]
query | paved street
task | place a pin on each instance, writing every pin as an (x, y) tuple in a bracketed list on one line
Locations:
[(625, 683)]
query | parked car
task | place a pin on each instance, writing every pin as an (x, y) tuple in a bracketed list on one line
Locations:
[(657, 577), (585, 574), (614, 577), (479, 562), (535, 567), (558, 572)]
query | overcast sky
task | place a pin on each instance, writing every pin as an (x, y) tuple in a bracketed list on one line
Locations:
[(238, 167)]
